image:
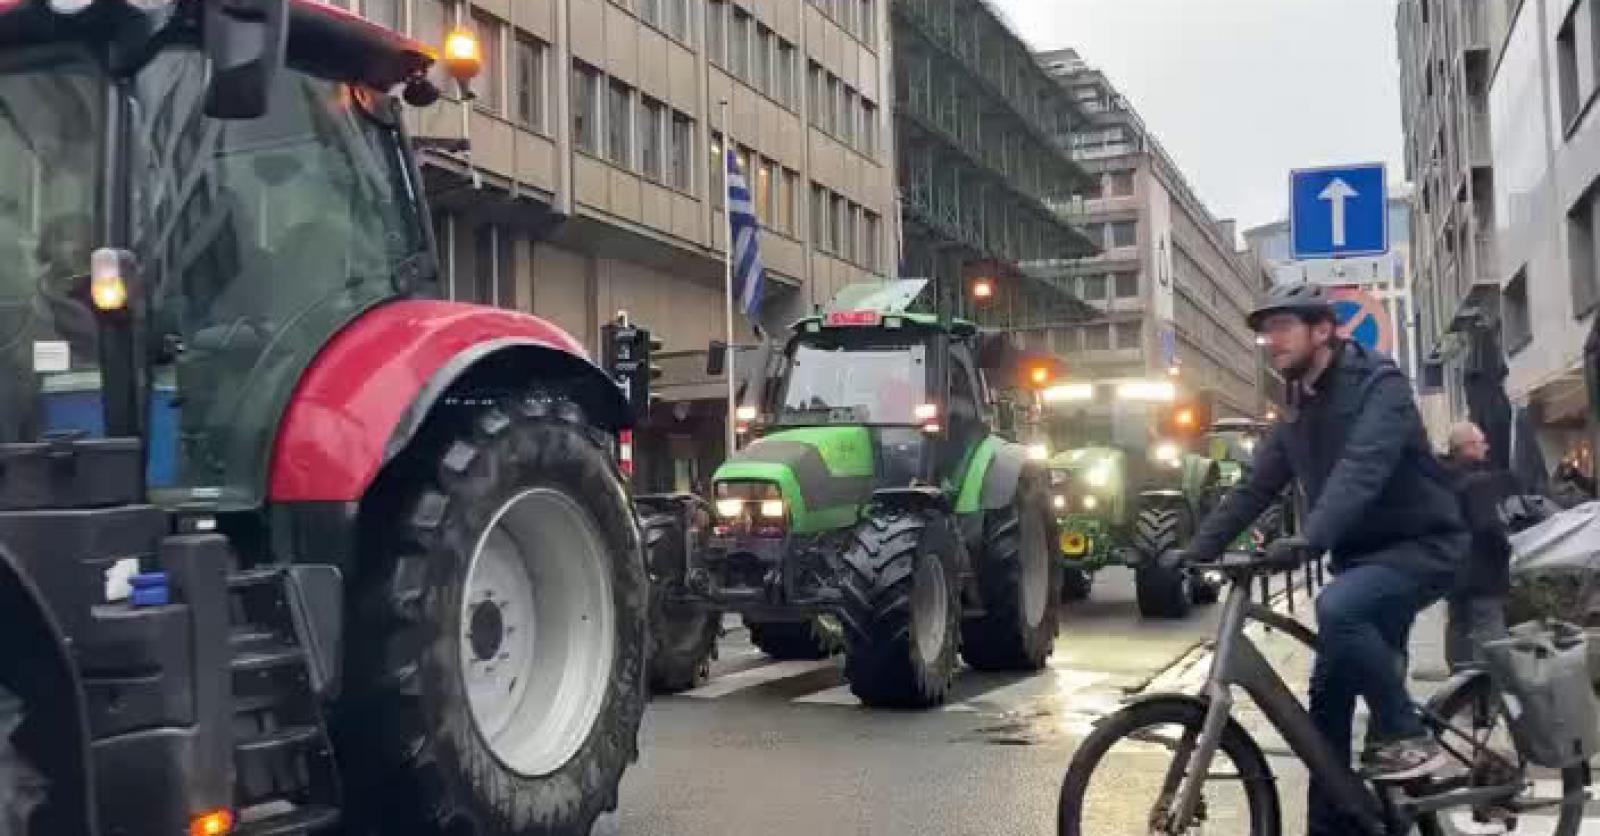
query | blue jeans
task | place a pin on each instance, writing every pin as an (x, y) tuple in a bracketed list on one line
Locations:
[(1364, 619)]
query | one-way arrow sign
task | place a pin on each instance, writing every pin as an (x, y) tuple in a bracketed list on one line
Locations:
[(1338, 212)]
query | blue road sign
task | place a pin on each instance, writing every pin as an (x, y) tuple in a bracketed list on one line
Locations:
[(1339, 211)]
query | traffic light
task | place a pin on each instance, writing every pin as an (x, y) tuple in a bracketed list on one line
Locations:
[(627, 352)]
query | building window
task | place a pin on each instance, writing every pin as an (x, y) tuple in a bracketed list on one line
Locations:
[(491, 90), (1121, 183), (530, 82), (1094, 288), (761, 62), (783, 218), (830, 106), (652, 126), (719, 171), (784, 71), (852, 228), (1127, 285), (682, 157), (649, 12), (819, 219), (1583, 248), (1127, 334), (739, 44), (844, 113), (869, 236), (869, 23), (761, 183), (430, 21), (818, 89), (1124, 233), (586, 108), (847, 121), (717, 32), (1516, 327), (1097, 337), (619, 127), (836, 224), (869, 128)]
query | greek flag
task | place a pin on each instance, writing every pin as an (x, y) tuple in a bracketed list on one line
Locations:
[(748, 274)]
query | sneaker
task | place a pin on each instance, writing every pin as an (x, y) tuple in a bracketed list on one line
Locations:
[(1404, 760)]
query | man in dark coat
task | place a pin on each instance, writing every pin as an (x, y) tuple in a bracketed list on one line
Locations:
[(1379, 503), (1478, 601)]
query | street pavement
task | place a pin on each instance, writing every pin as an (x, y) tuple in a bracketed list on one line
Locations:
[(782, 748)]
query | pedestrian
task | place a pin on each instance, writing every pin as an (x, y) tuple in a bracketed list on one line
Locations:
[(1477, 604), (1378, 501)]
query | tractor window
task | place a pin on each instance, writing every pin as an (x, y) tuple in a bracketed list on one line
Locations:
[(261, 238), (880, 384), (51, 129)]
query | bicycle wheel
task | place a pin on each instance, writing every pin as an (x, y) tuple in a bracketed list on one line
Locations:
[(1479, 738), (1125, 776)]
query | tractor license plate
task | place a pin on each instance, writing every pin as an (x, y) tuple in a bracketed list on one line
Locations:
[(1074, 543)]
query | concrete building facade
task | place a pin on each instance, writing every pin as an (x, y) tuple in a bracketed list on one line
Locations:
[(1446, 53), (594, 182), (1546, 153), (1170, 285)]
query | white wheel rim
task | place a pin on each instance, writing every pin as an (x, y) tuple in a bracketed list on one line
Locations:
[(1035, 557), (537, 631), (930, 608)]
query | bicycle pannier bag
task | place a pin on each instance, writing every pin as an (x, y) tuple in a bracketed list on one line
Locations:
[(1544, 669)]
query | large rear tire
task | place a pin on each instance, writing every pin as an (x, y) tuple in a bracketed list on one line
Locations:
[(1019, 575), (683, 638), (1162, 591), (901, 612), (483, 702), (813, 638), (23, 788)]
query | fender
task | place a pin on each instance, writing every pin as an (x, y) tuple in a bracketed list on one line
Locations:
[(368, 391), (31, 629), (992, 477)]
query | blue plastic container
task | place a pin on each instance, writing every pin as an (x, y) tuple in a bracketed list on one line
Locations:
[(73, 401)]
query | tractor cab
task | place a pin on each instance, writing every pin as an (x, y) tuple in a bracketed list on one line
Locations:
[(1231, 442)]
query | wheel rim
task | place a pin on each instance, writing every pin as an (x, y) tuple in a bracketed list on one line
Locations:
[(537, 631), (1035, 557), (930, 609)]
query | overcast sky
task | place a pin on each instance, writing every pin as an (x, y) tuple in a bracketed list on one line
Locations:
[(1241, 91)]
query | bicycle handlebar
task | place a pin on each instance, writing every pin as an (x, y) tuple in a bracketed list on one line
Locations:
[(1253, 562)]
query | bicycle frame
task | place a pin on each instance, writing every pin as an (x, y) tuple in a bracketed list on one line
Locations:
[(1237, 662)]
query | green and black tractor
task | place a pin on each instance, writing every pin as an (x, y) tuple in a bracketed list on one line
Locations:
[(875, 507), (1129, 487), (1231, 442)]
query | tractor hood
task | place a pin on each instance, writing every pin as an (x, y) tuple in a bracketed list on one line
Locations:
[(824, 473)]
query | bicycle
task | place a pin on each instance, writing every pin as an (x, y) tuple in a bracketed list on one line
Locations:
[(1492, 783)]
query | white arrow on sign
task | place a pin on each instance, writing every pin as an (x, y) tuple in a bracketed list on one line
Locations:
[(1336, 193)]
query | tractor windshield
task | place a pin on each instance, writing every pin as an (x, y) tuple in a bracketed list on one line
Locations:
[(260, 238), (881, 383), (52, 105)]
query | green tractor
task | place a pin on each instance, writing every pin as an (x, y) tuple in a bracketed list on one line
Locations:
[(874, 507), (1129, 488), (1232, 444)]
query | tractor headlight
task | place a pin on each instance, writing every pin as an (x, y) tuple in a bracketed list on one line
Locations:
[(772, 509), (1167, 452), (730, 507), (1059, 502), (1090, 503), (1249, 446), (1098, 476)]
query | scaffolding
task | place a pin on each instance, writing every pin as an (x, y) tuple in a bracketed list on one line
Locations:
[(985, 183)]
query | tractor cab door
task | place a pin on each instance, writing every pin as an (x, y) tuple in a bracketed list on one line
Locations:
[(965, 413)]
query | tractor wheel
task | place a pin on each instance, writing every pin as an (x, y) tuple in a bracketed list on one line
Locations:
[(814, 638), (1076, 584), (901, 613), (683, 638), (498, 652), (1019, 577), (1162, 591), (22, 787)]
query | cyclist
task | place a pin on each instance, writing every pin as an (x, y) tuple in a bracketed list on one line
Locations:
[(1378, 501)]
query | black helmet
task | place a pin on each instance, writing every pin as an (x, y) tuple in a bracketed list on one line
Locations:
[(1309, 301)]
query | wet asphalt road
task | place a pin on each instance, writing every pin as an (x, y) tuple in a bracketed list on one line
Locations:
[(783, 749)]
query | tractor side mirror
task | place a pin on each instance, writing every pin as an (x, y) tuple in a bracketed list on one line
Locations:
[(246, 42), (716, 358)]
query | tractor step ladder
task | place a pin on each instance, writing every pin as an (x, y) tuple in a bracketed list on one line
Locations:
[(287, 783)]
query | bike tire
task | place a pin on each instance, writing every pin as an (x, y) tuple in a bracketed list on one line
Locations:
[(1569, 813), (1260, 791)]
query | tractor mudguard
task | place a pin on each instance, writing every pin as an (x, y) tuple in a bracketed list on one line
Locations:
[(992, 476), (57, 700), (369, 390)]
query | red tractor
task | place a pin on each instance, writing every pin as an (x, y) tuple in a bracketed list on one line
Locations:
[(287, 544)]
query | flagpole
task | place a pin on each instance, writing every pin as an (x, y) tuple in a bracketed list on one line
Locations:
[(727, 280)]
